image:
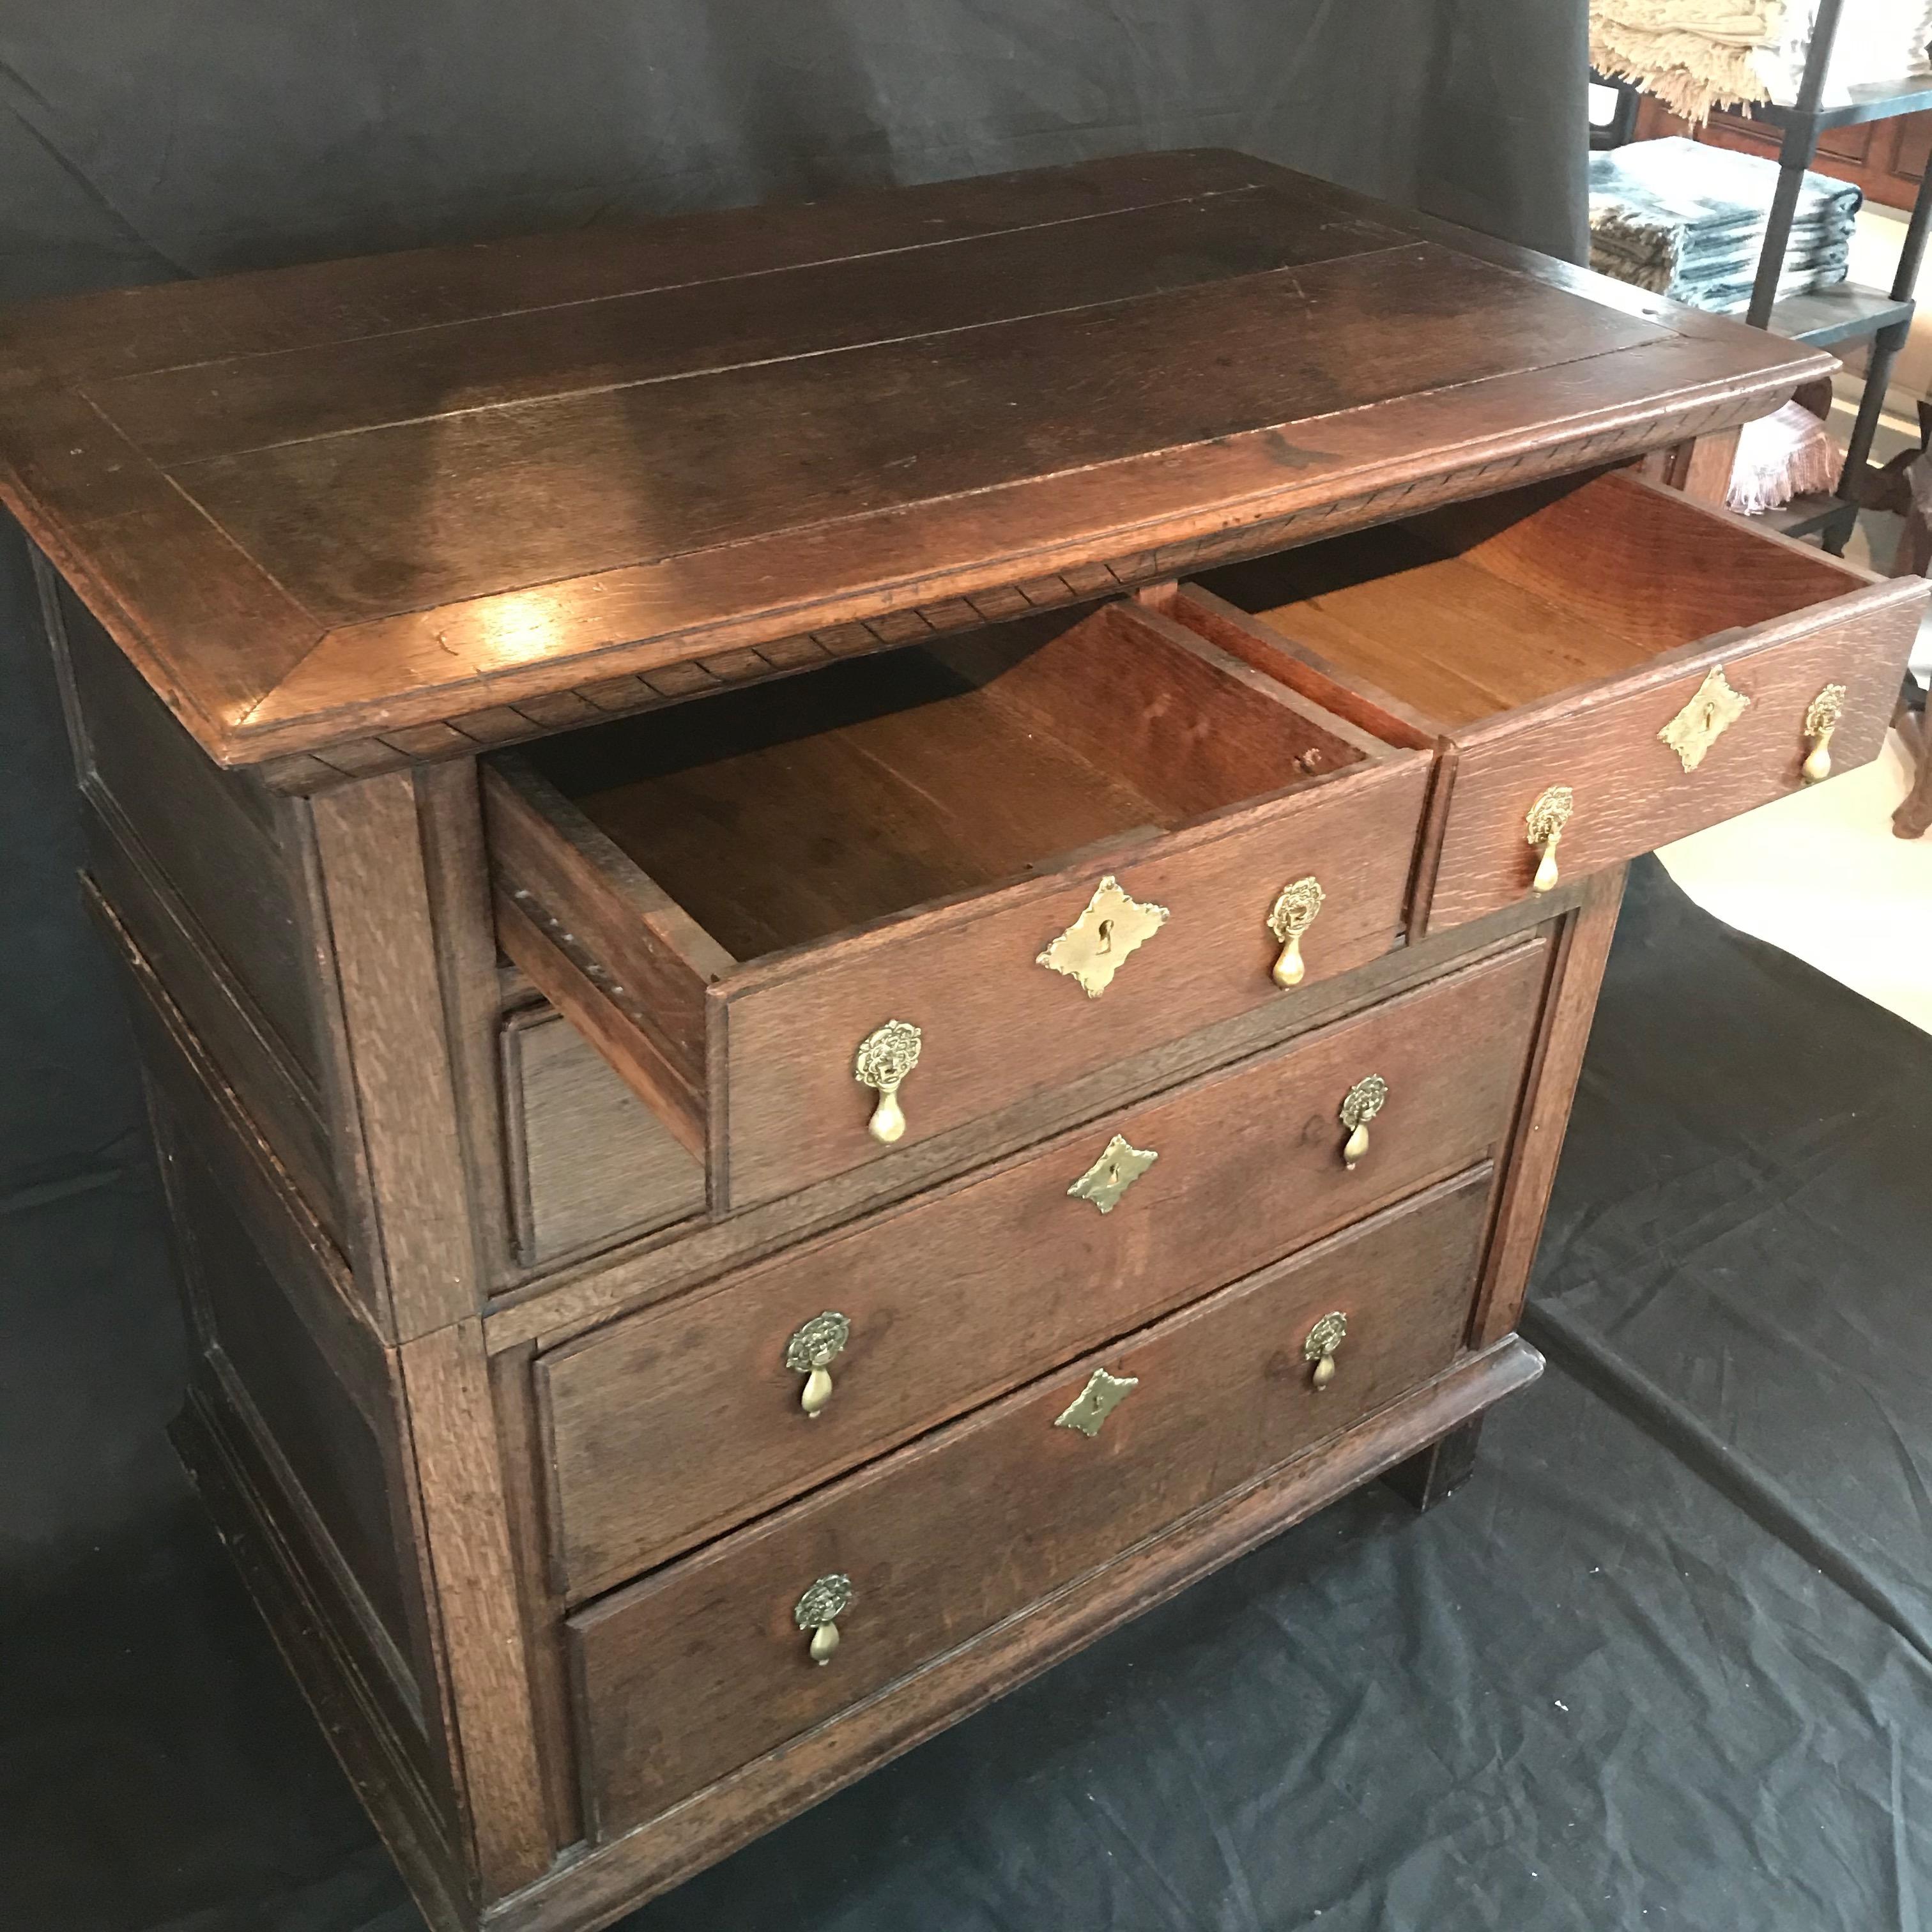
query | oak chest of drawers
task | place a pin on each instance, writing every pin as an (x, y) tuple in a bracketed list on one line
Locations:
[(861, 931)]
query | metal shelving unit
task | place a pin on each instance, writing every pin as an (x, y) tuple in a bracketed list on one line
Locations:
[(1848, 312)]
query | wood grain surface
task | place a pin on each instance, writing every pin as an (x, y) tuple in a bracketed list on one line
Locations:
[(466, 1531), (816, 825), (1582, 950), (572, 1300), (1632, 793), (588, 1161), (612, 1877), (371, 497), (385, 954), (788, 813), (697, 1671), (684, 1420), (1548, 635), (997, 1025)]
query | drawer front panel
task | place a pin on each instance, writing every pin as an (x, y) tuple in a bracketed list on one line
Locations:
[(689, 1674), (681, 1422), (996, 1025), (1631, 791), (589, 1161)]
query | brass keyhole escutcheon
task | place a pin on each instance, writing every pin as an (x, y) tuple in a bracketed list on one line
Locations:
[(1103, 1395), (1323, 1338), (1543, 828), (1099, 943), (1294, 912), (1710, 711), (819, 1610), (1360, 1106), (810, 1353), (885, 1057), (1120, 1164), (1821, 720)]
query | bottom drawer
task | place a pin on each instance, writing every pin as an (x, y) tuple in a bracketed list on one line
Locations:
[(690, 1673)]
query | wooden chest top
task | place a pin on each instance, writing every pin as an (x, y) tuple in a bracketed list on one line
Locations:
[(430, 499)]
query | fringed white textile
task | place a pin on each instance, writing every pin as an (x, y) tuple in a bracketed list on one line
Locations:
[(1694, 55), (1781, 456)]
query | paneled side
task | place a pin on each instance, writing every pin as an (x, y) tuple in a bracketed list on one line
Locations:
[(202, 866), (317, 1389), (270, 1305)]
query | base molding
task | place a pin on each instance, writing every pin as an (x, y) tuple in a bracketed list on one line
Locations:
[(236, 1485), (597, 1886)]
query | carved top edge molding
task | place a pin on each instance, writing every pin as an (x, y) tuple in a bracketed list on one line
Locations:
[(468, 735)]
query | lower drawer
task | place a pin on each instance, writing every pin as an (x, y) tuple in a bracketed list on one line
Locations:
[(689, 1674), (682, 1422)]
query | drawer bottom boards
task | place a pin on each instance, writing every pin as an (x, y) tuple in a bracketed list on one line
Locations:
[(683, 1677)]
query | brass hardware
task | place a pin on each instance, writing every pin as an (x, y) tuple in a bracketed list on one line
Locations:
[(1821, 720), (1103, 1395), (1543, 827), (1095, 947), (809, 1354), (1360, 1106), (886, 1056), (1323, 1338), (819, 1610), (1713, 709), (1293, 913), (1120, 1164)]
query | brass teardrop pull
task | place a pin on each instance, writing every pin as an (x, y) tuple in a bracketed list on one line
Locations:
[(1821, 720), (819, 1610), (1323, 1338), (810, 1352), (1293, 913), (1360, 1106), (1543, 828), (886, 1056)]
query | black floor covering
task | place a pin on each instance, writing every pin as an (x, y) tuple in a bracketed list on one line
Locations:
[(1665, 1660)]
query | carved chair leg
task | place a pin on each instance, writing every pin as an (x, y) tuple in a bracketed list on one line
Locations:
[(1430, 1478)]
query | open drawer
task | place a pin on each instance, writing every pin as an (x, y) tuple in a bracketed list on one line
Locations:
[(899, 893), (1606, 665)]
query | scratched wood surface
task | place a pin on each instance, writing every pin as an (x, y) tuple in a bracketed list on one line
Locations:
[(1224, 1395), (373, 497)]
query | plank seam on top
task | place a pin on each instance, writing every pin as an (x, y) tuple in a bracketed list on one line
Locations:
[(484, 679), (1114, 532), (666, 288), (558, 396)]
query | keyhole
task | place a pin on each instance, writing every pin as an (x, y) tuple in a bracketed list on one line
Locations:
[(1106, 935)]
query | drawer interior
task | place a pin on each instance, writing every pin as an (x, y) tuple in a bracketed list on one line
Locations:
[(786, 812), (1492, 606)]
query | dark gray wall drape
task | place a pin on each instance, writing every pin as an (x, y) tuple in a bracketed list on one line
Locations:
[(141, 139)]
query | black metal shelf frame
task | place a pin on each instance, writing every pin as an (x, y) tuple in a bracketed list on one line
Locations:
[(1885, 316)]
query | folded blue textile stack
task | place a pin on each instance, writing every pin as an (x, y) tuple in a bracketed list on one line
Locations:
[(1687, 221)]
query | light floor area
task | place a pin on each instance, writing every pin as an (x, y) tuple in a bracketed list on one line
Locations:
[(1820, 874)]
